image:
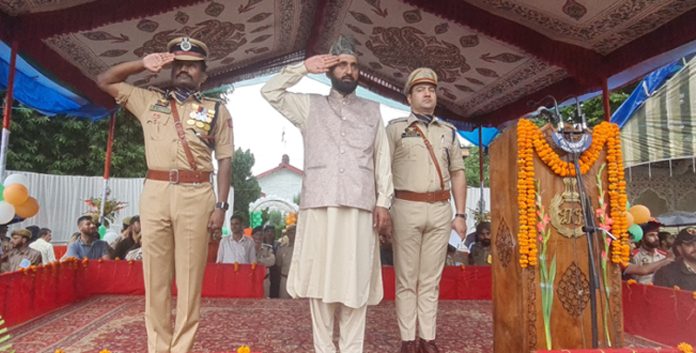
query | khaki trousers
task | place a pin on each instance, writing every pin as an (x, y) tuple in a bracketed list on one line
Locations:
[(174, 222), (351, 327), (421, 233)]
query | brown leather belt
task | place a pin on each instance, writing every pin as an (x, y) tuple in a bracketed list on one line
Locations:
[(178, 176), (435, 196)]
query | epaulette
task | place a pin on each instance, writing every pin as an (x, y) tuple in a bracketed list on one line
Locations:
[(448, 124), (156, 89), (661, 252), (397, 120)]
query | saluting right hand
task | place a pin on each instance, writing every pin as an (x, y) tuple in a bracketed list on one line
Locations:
[(320, 63), (155, 62)]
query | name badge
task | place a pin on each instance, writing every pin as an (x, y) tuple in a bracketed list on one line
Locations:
[(160, 109)]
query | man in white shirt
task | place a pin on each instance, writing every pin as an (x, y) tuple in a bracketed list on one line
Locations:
[(236, 248), (44, 246)]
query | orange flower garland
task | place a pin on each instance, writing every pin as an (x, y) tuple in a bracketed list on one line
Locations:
[(531, 139)]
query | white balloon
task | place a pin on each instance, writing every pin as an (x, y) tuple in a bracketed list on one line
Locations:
[(7, 212), (16, 179)]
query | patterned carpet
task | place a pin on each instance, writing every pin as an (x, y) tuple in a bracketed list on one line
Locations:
[(268, 326)]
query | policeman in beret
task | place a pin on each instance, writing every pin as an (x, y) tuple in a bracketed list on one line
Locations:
[(682, 272), (428, 169), (178, 212)]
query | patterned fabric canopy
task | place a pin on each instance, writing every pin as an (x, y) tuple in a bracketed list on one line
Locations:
[(495, 58)]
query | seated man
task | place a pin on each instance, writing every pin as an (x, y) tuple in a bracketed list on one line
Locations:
[(21, 255), (236, 248), (682, 272), (44, 246), (480, 254), (88, 245)]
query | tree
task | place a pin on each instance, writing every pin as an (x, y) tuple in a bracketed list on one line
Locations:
[(246, 188), (471, 168), (74, 146)]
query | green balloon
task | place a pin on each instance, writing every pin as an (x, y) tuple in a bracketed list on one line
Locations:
[(2, 189), (225, 231), (628, 206), (102, 231), (636, 233)]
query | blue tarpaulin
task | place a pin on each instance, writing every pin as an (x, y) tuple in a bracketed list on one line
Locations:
[(643, 91), (488, 134), (34, 90)]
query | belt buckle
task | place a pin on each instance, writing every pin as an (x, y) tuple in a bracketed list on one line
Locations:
[(431, 197), (174, 176)]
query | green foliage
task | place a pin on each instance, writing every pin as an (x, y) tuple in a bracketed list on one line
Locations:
[(246, 188), (471, 168), (74, 146), (593, 108)]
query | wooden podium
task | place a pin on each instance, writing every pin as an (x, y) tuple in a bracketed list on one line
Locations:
[(518, 298)]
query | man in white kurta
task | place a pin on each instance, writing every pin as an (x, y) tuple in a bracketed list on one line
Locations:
[(346, 193)]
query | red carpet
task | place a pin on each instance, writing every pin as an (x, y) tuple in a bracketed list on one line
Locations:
[(268, 326)]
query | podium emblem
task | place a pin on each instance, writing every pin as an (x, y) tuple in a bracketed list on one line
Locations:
[(566, 210)]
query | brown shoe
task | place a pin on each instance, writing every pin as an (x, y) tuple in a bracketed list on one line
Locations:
[(408, 347), (427, 347)]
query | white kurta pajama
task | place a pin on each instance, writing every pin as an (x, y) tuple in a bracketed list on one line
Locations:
[(335, 261)]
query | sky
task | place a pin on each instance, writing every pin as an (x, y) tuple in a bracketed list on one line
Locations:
[(268, 134)]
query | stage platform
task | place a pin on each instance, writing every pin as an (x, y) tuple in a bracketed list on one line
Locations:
[(266, 325)]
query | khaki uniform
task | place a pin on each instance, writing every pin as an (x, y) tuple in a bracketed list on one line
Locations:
[(16, 256), (643, 257), (173, 213), (421, 229), (283, 259)]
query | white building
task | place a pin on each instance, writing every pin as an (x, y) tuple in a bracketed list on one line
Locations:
[(283, 181)]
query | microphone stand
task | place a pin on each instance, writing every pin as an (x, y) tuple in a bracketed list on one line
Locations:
[(589, 228)]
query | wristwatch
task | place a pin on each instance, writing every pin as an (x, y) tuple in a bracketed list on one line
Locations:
[(462, 215), (223, 205)]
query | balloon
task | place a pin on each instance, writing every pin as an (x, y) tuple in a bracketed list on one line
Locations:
[(247, 231), (16, 179), (16, 194), (628, 205), (641, 214), (28, 209), (2, 190), (102, 231), (636, 232), (7, 212), (225, 231), (629, 218)]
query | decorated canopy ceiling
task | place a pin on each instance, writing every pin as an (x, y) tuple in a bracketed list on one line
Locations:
[(495, 58)]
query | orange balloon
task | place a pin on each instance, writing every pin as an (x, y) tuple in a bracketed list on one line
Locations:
[(247, 231), (641, 214), (629, 219), (16, 194), (28, 209)]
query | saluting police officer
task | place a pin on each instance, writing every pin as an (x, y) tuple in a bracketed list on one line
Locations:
[(427, 167), (178, 209)]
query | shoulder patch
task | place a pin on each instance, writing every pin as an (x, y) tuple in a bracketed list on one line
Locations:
[(661, 252), (448, 124), (635, 251), (156, 89), (212, 99), (397, 120)]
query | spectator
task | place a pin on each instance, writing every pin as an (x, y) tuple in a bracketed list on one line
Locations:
[(130, 240), (283, 260), (5, 244), (264, 256), (34, 233), (21, 255), (682, 272), (274, 271), (136, 251), (43, 245), (649, 251), (450, 260), (88, 245), (480, 254), (236, 248), (666, 241)]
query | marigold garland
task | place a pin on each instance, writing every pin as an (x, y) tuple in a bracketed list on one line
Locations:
[(685, 348), (529, 140)]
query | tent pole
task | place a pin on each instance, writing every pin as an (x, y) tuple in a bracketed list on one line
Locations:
[(480, 146), (605, 100), (7, 112), (107, 165)]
